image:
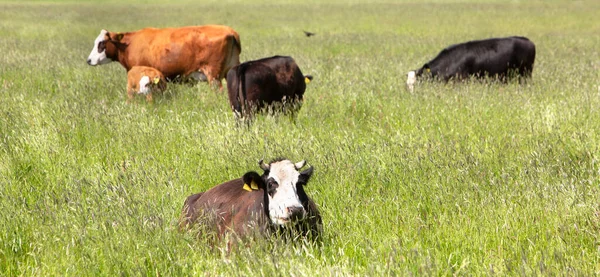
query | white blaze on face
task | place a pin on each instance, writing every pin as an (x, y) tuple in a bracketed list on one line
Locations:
[(286, 196), (145, 86), (98, 54), (411, 80)]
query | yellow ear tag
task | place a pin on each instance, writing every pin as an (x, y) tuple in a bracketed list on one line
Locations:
[(156, 80), (306, 80), (428, 69), (246, 187), (254, 186)]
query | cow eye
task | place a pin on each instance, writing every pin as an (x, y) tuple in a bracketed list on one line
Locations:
[(101, 46), (272, 184), (272, 187)]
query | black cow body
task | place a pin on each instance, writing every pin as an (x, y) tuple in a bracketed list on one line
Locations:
[(254, 85), (495, 57)]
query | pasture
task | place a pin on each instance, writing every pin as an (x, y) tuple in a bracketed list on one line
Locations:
[(474, 178)]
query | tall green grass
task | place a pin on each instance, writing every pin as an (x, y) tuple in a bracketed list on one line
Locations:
[(475, 178)]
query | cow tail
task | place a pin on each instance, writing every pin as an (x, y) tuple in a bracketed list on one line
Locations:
[(237, 42), (233, 56), (241, 72)]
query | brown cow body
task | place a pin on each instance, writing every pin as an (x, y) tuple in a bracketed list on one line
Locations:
[(192, 51), (144, 80), (230, 208)]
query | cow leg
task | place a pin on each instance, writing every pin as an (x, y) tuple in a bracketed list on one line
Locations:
[(149, 97), (295, 109), (237, 116), (524, 74), (214, 77), (243, 122), (527, 71), (130, 95), (243, 116), (216, 83)]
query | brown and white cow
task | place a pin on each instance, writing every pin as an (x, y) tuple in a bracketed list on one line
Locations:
[(273, 202), (198, 52), (144, 80), (254, 85)]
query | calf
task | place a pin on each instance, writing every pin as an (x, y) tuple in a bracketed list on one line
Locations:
[(144, 80), (495, 57), (254, 85), (273, 202)]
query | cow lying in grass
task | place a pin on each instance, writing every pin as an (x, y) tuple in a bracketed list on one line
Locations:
[(271, 203)]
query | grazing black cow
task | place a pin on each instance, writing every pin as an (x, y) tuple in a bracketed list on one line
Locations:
[(495, 57), (258, 204), (254, 85)]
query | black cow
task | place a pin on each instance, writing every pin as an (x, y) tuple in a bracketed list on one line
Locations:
[(274, 202), (254, 85), (495, 57)]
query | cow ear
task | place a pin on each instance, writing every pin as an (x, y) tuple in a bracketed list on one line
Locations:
[(117, 38), (252, 181), (305, 176), (308, 78), (114, 37)]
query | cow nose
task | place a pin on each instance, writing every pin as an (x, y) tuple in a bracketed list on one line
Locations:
[(89, 61), (295, 213)]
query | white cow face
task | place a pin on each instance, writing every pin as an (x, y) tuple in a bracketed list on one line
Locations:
[(283, 184), (148, 85), (98, 54), (411, 80), (145, 85)]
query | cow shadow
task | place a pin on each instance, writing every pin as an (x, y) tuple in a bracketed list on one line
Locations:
[(157, 97), (277, 110), (173, 91), (512, 77)]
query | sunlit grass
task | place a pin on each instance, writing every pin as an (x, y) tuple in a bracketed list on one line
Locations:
[(474, 178)]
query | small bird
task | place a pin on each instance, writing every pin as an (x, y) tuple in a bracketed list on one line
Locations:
[(309, 34)]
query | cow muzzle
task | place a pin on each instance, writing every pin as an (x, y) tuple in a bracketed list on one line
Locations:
[(97, 59), (296, 213), (411, 79), (290, 215)]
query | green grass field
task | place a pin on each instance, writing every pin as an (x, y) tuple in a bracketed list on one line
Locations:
[(475, 178)]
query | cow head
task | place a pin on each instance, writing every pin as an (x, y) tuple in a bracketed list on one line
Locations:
[(148, 85), (411, 80), (105, 48), (283, 187), (414, 74)]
